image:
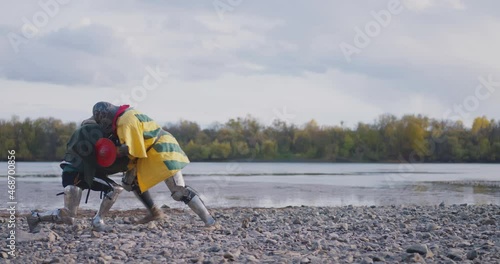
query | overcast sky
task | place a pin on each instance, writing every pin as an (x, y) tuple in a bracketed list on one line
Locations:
[(210, 61)]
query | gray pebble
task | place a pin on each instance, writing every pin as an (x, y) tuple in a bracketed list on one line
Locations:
[(455, 255), (471, 254), (418, 248), (305, 260)]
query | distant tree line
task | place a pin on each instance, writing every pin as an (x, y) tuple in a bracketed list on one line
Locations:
[(412, 138)]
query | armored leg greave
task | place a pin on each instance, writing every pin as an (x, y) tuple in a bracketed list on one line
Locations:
[(107, 202), (72, 197), (181, 192), (197, 205)]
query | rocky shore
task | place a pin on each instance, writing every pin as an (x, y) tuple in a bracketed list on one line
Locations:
[(389, 234)]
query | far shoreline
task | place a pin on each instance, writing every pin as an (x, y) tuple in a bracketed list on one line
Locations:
[(293, 161)]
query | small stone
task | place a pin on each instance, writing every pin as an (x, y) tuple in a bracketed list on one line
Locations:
[(421, 249), (431, 227), (414, 258), (77, 227), (251, 258), (245, 223), (232, 255), (334, 236), (305, 260), (96, 234), (472, 254), (367, 260), (488, 222), (104, 256), (297, 222), (488, 243), (442, 205), (455, 255), (164, 206), (214, 249), (152, 225), (4, 255), (53, 236), (464, 244), (344, 226), (316, 245), (60, 260), (426, 236), (197, 259), (120, 253), (272, 241)]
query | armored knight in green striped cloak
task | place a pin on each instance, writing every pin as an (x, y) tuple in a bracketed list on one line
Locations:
[(81, 172)]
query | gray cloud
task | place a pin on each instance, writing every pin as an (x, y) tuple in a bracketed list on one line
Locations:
[(434, 53), (89, 55)]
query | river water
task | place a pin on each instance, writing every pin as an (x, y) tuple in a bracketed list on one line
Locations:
[(228, 184)]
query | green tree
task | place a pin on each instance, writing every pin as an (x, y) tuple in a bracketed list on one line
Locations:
[(219, 151), (196, 152), (269, 149), (346, 147)]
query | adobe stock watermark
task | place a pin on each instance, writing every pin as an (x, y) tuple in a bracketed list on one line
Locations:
[(223, 6), (220, 182), (471, 103), (281, 114), (150, 82), (483, 91), (40, 19), (372, 29)]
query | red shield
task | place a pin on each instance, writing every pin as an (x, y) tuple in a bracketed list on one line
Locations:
[(105, 151)]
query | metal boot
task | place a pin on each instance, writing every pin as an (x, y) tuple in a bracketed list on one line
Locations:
[(197, 205), (155, 213), (72, 196), (58, 216), (107, 202)]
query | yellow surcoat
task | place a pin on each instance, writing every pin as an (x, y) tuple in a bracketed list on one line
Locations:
[(155, 152)]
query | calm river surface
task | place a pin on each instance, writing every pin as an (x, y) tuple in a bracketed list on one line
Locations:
[(285, 184)]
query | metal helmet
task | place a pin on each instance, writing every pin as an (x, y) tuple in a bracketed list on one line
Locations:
[(104, 113)]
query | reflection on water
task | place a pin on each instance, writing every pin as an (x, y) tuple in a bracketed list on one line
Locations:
[(484, 189), (420, 188)]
